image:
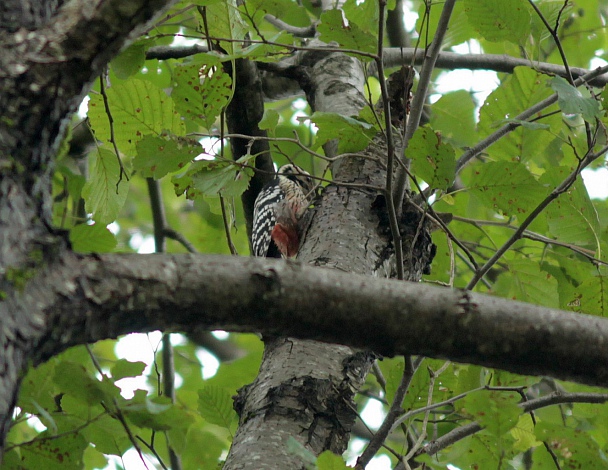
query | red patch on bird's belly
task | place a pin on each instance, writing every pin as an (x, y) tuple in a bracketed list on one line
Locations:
[(286, 239)]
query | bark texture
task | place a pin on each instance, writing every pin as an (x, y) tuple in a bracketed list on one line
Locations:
[(51, 52)]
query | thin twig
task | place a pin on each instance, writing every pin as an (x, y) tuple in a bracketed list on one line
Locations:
[(106, 104), (168, 372), (390, 144), (553, 399), (153, 450), (420, 96), (375, 443)]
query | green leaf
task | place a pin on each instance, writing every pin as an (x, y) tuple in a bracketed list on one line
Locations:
[(506, 20), (156, 413), (571, 217), (507, 187), (213, 178), (285, 10), (216, 87), (224, 21), (333, 27), (106, 191), (270, 120), (327, 460), (202, 449), (138, 108), (73, 379), (453, 115), (215, 406), (353, 135), (364, 15), (523, 433), (572, 101), (157, 156), (572, 447), (50, 453), (523, 89), (95, 238), (432, 160), (525, 281), (108, 436), (497, 412), (131, 60), (123, 368), (187, 91)]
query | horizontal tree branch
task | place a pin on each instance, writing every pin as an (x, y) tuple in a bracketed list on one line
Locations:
[(394, 57), (111, 295)]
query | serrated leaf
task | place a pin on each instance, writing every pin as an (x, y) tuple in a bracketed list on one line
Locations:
[(327, 460), (507, 187), (496, 412), (571, 217), (123, 368), (224, 21), (333, 27), (157, 156), (525, 281), (523, 433), (215, 406), (138, 108), (95, 238), (518, 92), (453, 115), (353, 135), (432, 160), (572, 101), (362, 14), (506, 20), (105, 192)]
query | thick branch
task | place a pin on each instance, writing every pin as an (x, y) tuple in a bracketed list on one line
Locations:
[(112, 295)]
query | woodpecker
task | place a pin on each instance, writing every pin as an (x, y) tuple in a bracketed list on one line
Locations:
[(277, 210)]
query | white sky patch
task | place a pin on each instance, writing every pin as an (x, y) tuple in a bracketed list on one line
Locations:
[(142, 243), (132, 461), (480, 82), (373, 414), (209, 362), (220, 334), (596, 182), (114, 228)]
